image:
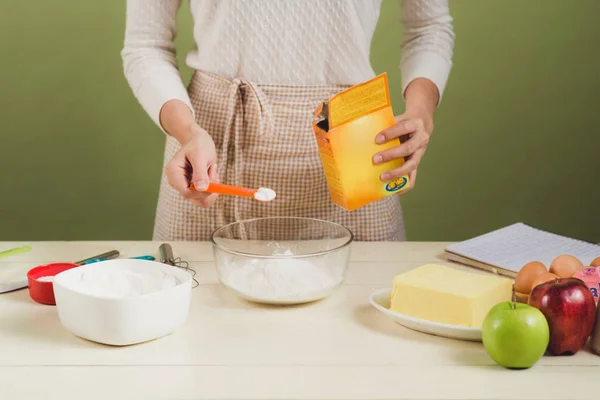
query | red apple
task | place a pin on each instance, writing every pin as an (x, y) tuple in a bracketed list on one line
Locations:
[(570, 310)]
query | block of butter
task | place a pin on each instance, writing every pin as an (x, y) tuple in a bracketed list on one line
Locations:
[(447, 295)]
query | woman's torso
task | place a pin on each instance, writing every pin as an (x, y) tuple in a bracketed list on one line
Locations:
[(287, 42)]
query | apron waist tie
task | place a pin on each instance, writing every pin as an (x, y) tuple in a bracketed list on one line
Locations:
[(259, 103)]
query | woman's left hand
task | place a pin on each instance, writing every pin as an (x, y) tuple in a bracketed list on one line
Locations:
[(414, 129)]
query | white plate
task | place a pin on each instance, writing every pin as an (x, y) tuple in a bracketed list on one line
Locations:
[(381, 301)]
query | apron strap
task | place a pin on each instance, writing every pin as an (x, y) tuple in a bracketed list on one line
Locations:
[(264, 124)]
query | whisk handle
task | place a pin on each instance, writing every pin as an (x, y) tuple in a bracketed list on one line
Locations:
[(166, 253)]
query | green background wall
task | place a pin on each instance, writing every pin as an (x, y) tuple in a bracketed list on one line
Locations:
[(517, 137)]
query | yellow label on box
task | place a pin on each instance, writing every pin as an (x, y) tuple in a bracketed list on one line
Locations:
[(358, 101), (345, 134)]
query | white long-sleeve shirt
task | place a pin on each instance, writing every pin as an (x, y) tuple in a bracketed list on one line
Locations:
[(291, 42)]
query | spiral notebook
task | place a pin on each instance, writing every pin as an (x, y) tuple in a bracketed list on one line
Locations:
[(506, 250)]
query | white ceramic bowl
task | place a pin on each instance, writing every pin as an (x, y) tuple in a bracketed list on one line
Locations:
[(122, 321)]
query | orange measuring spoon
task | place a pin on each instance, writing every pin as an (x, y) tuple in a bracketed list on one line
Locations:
[(220, 188)]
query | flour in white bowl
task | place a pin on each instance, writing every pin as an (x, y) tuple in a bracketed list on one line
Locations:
[(120, 282), (272, 279)]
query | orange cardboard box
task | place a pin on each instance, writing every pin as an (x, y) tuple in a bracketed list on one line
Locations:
[(345, 131)]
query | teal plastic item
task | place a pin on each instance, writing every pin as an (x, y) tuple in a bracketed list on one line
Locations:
[(94, 260), (149, 258)]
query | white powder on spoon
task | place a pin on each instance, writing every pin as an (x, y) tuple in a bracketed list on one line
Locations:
[(265, 194), (45, 279)]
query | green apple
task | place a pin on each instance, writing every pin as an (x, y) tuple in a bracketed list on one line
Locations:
[(515, 335)]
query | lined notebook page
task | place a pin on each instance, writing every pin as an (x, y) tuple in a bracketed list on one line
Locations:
[(516, 245)]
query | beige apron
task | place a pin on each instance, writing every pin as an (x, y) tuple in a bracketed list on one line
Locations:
[(264, 138)]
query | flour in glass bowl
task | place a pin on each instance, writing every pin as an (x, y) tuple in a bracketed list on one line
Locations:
[(277, 278)]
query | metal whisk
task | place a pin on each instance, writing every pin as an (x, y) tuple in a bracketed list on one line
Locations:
[(166, 257)]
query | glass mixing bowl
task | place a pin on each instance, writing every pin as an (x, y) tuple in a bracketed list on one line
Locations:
[(282, 260)]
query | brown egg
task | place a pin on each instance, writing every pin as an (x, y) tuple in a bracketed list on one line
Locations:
[(595, 262), (545, 277), (526, 276), (565, 266)]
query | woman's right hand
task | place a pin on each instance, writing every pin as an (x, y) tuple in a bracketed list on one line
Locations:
[(195, 162)]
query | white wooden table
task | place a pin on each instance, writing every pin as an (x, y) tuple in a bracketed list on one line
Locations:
[(338, 348)]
